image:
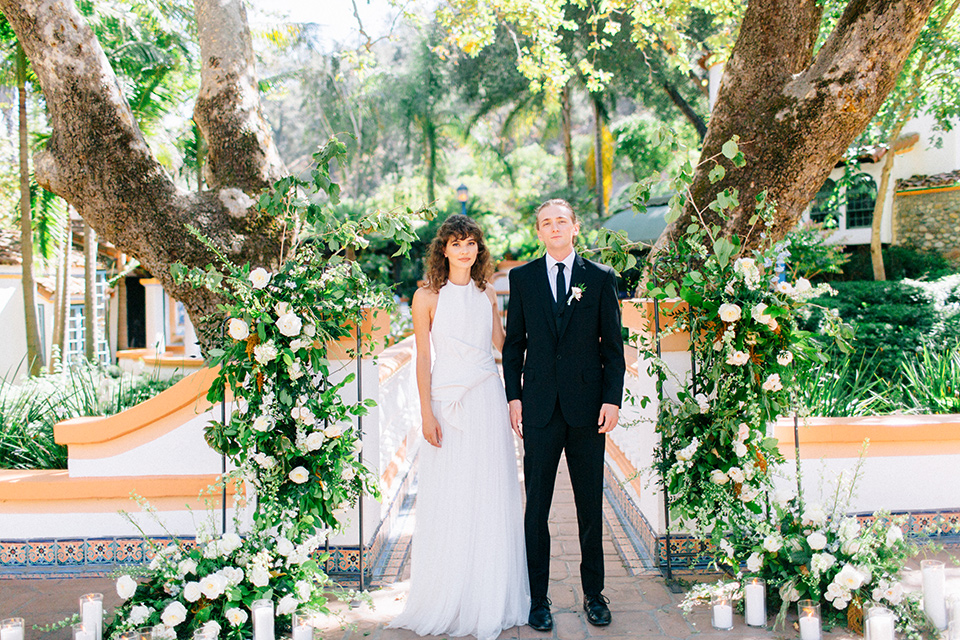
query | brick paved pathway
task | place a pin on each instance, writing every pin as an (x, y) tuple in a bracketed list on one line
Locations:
[(643, 608)]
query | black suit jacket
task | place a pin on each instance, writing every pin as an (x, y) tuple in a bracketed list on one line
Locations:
[(580, 361)]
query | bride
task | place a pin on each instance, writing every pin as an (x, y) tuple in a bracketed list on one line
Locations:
[(468, 573)]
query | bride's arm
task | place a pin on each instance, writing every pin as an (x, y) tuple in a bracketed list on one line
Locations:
[(424, 305), (498, 334)]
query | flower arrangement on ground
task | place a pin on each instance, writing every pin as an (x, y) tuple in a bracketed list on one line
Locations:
[(292, 435)]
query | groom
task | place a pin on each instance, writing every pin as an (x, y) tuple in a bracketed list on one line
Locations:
[(563, 370)]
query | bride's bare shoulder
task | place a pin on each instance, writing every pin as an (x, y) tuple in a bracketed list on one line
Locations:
[(425, 297)]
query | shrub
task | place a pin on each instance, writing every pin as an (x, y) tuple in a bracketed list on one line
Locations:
[(899, 262)]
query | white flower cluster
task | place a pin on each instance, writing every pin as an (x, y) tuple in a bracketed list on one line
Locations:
[(747, 269)]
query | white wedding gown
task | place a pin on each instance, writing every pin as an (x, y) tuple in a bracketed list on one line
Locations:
[(469, 570)]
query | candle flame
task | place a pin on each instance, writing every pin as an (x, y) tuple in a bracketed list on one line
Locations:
[(808, 612)]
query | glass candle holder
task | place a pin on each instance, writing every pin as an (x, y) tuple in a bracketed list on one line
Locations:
[(302, 625), (934, 592), (146, 633), (879, 624), (11, 629), (132, 634), (722, 612), (81, 632), (808, 612), (91, 614), (755, 602), (204, 633), (953, 607), (953, 630), (262, 613)]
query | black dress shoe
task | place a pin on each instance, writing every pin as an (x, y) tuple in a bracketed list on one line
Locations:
[(540, 618), (598, 614)]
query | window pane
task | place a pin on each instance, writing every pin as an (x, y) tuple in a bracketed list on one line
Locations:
[(824, 205), (861, 198)]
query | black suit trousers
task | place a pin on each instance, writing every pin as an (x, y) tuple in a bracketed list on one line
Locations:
[(584, 448)]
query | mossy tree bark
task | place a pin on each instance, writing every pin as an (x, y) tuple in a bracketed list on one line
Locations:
[(97, 158), (796, 113)]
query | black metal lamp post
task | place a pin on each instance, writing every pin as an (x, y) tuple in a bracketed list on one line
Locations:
[(462, 193)]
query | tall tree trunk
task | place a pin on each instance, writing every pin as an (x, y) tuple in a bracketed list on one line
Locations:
[(680, 102), (57, 311), (63, 290), (796, 114), (90, 320), (123, 339), (904, 113), (97, 158), (566, 116), (27, 283), (598, 155)]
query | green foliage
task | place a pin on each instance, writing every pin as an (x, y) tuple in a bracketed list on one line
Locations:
[(900, 262), (810, 255), (30, 409), (843, 386), (932, 379)]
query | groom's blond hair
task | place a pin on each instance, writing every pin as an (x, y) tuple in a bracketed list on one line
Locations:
[(555, 202)]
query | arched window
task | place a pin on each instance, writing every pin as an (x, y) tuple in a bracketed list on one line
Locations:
[(824, 207), (861, 198)]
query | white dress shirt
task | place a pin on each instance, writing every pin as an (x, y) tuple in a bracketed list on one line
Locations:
[(552, 272)]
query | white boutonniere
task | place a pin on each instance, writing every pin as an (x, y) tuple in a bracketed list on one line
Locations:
[(575, 294)]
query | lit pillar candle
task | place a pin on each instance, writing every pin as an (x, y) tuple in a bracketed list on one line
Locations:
[(722, 613), (91, 614), (11, 629), (880, 624), (80, 632), (934, 600), (755, 602), (302, 626), (262, 611), (809, 613)]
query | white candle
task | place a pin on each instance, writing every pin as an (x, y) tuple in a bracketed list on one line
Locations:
[(303, 632), (880, 627), (91, 615), (11, 632), (84, 635), (934, 598), (722, 616), (263, 624), (755, 603), (809, 628)]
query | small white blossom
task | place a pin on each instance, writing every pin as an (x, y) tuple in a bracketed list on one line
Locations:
[(820, 562), (265, 353), (894, 535), (687, 452), (772, 383), (785, 358), (738, 358)]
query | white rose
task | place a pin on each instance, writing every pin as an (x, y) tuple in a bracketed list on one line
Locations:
[(139, 614), (802, 286), (850, 547), (259, 577), (744, 265), (738, 358), (817, 541), (191, 591), (259, 278), (729, 312), (234, 575), (894, 535), (212, 628), (718, 477), (238, 329), (785, 358), (236, 616), (287, 605), (310, 330), (740, 449), (304, 590), (820, 562), (849, 578), (772, 544), (849, 528), (284, 547), (282, 308), (736, 474), (230, 542), (349, 473), (357, 445), (783, 287), (754, 562), (294, 370), (265, 353), (773, 383), (314, 441), (333, 431), (813, 515), (186, 567), (213, 586), (261, 424), (126, 587), (174, 614), (289, 324), (749, 494), (894, 593), (299, 475), (759, 314)]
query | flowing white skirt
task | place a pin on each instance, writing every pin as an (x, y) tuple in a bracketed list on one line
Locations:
[(469, 570)]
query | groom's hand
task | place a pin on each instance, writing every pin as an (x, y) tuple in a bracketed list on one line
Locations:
[(609, 414), (516, 417)]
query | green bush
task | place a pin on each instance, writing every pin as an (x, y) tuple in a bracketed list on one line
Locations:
[(29, 409), (899, 262)]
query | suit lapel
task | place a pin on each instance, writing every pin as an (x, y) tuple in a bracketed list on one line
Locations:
[(543, 293), (576, 280)]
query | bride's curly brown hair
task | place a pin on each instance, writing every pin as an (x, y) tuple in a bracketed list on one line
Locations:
[(438, 268)]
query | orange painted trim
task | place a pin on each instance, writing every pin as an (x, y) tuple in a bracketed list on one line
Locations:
[(144, 422), (172, 357), (626, 467), (386, 478), (911, 192), (54, 491), (638, 316), (150, 281), (374, 328), (394, 357), (895, 435)]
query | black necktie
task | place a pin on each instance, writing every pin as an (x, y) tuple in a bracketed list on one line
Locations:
[(561, 286)]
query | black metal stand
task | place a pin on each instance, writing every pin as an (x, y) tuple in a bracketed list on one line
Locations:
[(360, 546)]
